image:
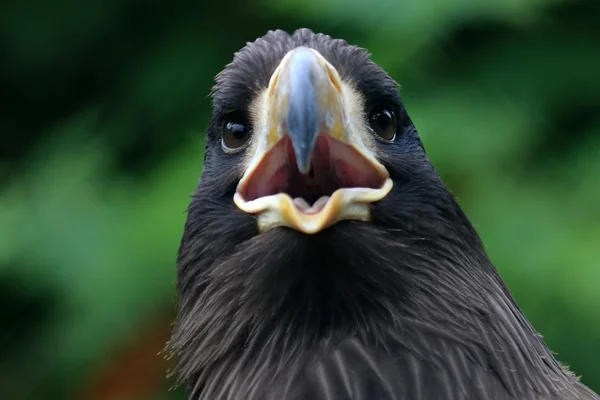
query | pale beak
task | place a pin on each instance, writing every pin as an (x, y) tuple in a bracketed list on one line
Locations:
[(312, 162)]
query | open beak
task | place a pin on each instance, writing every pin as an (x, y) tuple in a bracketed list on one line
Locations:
[(311, 160)]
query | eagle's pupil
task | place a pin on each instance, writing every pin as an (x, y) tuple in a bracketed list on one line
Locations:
[(383, 123), (235, 135), (237, 130)]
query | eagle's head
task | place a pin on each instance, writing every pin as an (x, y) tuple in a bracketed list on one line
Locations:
[(319, 223)]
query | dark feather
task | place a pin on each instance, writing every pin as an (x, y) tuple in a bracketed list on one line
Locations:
[(406, 307)]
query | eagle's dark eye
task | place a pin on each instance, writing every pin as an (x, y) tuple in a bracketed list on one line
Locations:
[(382, 120), (236, 133)]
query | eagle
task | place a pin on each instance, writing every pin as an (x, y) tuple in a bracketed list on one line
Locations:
[(323, 257)]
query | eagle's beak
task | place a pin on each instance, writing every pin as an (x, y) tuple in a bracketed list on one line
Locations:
[(311, 157)]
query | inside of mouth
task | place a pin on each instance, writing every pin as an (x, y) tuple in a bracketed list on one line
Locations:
[(334, 165)]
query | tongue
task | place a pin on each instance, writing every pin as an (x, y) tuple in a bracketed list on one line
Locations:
[(315, 208)]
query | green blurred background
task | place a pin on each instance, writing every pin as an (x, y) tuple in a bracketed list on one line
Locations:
[(104, 105)]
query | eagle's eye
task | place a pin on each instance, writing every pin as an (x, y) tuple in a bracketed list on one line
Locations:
[(235, 132), (382, 121)]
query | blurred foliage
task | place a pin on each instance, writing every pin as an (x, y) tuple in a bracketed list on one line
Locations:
[(104, 106)]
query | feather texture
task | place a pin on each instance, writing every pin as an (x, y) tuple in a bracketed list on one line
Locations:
[(407, 306)]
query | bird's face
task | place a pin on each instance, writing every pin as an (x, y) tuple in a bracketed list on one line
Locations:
[(306, 134), (313, 171)]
